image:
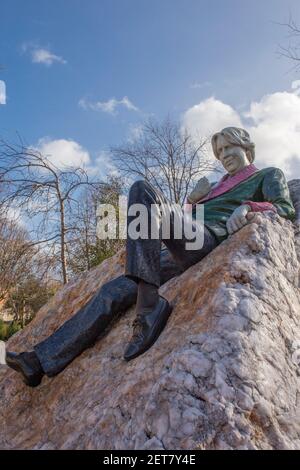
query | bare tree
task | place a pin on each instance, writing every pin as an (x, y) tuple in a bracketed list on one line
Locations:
[(292, 50), (16, 255), (45, 194), (83, 236), (167, 156), (27, 297), (85, 250)]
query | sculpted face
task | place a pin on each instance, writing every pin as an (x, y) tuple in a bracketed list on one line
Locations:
[(233, 157)]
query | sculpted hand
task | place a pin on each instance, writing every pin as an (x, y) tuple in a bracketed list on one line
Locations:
[(239, 218), (255, 217), (201, 189)]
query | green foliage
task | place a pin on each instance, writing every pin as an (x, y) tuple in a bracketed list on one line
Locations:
[(101, 250), (3, 330), (8, 329), (13, 327), (26, 299)]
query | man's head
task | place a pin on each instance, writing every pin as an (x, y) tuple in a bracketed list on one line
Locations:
[(233, 147)]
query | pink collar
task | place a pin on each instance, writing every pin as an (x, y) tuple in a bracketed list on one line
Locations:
[(228, 182)]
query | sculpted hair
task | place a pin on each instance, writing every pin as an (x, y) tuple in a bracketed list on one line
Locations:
[(235, 136)]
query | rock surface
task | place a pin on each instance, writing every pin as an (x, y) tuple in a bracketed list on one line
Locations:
[(224, 374)]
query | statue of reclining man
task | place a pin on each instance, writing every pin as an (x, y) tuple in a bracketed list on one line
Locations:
[(228, 206)]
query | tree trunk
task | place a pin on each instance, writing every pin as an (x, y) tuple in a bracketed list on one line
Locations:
[(62, 243)]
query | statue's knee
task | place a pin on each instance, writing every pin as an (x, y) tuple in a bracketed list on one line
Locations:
[(118, 287), (138, 186)]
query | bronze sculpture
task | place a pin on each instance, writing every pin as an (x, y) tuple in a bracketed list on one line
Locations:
[(228, 206)]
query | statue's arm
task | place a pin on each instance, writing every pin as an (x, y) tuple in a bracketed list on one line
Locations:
[(275, 191), (276, 197), (260, 206)]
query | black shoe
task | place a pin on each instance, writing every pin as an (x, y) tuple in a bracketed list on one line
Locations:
[(28, 365), (147, 328)]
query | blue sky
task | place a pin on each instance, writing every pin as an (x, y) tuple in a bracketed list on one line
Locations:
[(137, 58)]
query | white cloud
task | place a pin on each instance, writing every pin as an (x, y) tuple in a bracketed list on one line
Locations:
[(275, 130), (204, 118), (135, 131), (295, 84), (42, 55), (109, 106), (15, 214), (103, 165), (62, 152), (68, 153), (273, 123), (2, 92)]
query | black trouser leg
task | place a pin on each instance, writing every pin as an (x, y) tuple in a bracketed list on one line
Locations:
[(143, 255), (81, 331)]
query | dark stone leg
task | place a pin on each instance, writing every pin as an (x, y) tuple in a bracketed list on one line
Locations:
[(143, 259), (81, 331), (143, 255)]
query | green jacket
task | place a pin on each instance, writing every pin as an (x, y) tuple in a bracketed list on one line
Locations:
[(267, 185)]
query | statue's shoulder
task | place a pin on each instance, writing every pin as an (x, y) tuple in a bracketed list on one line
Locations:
[(271, 170)]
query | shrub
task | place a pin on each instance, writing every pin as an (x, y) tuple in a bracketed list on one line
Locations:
[(8, 329)]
